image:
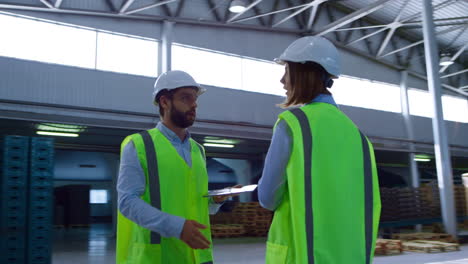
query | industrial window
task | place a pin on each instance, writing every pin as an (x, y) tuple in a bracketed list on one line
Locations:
[(454, 108), (366, 94), (228, 70), (98, 196), (262, 76), (36, 40), (125, 54), (53, 42), (208, 67)]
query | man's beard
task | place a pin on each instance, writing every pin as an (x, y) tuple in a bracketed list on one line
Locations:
[(180, 118)]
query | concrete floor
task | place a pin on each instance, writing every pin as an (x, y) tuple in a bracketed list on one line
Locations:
[(97, 245)]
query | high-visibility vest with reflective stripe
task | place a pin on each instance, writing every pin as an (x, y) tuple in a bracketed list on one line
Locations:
[(331, 207), (174, 188)]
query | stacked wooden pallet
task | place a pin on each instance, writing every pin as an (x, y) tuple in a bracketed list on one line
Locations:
[(389, 204), (228, 230), (429, 246), (255, 219), (388, 247), (460, 200), (427, 242), (442, 237)]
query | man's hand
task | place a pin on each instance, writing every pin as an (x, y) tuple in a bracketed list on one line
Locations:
[(192, 236), (222, 198)]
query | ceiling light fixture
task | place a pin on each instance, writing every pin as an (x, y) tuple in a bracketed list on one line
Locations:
[(57, 134), (237, 6), (218, 145), (60, 127), (210, 139), (445, 60), (422, 160), (422, 157)]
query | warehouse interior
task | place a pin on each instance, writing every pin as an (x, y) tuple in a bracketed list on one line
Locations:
[(85, 70)]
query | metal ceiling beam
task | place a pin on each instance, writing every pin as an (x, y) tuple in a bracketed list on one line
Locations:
[(48, 4), (245, 10), (454, 57), (350, 18), (309, 5), (214, 10), (313, 14), (125, 6), (463, 87), (455, 73), (187, 21), (270, 13), (421, 41), (393, 26), (58, 3), (149, 6)]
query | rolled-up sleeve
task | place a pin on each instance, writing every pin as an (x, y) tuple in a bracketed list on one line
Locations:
[(271, 186), (130, 187)]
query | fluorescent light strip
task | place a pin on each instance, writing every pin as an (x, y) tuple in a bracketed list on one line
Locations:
[(57, 134), (218, 145), (422, 160)]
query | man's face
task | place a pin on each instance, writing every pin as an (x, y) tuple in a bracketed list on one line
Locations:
[(285, 80), (183, 107)]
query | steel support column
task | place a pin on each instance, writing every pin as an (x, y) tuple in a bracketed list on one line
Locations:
[(414, 173), (443, 162), (165, 51), (409, 128)]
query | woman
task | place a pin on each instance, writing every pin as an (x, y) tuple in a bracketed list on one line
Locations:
[(320, 176)]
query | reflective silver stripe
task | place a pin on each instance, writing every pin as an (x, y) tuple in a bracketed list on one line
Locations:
[(368, 196), (153, 176), (307, 142)]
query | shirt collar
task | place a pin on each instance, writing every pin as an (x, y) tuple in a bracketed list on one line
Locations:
[(324, 98), (169, 134)]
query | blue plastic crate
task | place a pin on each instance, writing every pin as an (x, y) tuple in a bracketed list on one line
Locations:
[(13, 256), (17, 169), (39, 222), (14, 154), (40, 228), (42, 167), (42, 140), (39, 237), (15, 241), (14, 223), (13, 205), (42, 154), (42, 175), (15, 213), (41, 183), (15, 140), (15, 196), (40, 197), (10, 181)]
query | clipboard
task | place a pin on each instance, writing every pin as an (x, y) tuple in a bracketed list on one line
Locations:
[(231, 191)]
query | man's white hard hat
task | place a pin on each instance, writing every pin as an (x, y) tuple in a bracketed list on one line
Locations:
[(171, 80)]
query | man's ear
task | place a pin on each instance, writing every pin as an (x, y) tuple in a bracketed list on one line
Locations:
[(164, 102)]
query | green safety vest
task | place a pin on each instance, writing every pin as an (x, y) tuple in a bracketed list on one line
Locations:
[(174, 188), (331, 207)]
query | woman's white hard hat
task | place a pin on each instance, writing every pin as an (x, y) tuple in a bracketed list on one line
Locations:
[(315, 49)]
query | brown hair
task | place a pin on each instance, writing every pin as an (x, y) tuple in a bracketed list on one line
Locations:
[(307, 81)]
